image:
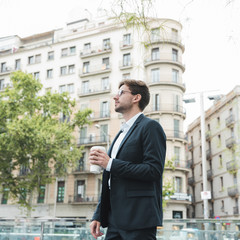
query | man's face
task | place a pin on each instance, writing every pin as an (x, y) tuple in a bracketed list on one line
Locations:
[(123, 100)]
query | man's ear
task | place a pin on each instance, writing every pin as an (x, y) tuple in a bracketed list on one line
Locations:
[(137, 98)]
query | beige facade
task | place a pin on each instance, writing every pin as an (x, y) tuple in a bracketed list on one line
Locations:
[(223, 158), (89, 59)]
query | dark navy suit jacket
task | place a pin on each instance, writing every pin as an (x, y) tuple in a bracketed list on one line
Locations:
[(135, 198)]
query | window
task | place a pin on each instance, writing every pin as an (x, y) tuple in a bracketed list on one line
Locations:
[(220, 160), (1, 84), (64, 118), (105, 63), (178, 184), (218, 121), (126, 76), (175, 75), (36, 75), (87, 48), (221, 183), (51, 55), (155, 75), (174, 34), (126, 59), (176, 103), (176, 128), (30, 60), (72, 50), (41, 194), (60, 191), (70, 88), (17, 64), (63, 70), (156, 102), (48, 90), (64, 52), (174, 55), (126, 39), (80, 191), (38, 58), (23, 194), (104, 109), (104, 132), (62, 88), (81, 163), (235, 179), (177, 156), (86, 67), (155, 34), (155, 54), (85, 87), (222, 205), (83, 135), (106, 44), (3, 67), (177, 214), (5, 194), (105, 83), (71, 69), (219, 140), (49, 73)]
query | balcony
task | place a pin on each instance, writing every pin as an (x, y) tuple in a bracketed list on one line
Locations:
[(230, 120), (191, 181), (93, 90), (209, 174), (168, 83), (181, 197), (172, 40), (76, 199), (94, 51), (94, 70), (165, 108), (98, 116), (175, 135), (125, 65), (149, 61), (233, 191), (6, 70), (126, 45), (208, 154), (230, 142), (92, 140), (235, 210), (232, 165)]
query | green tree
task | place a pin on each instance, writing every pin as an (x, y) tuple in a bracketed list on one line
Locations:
[(35, 145)]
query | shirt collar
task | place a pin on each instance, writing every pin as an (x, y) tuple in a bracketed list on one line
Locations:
[(127, 125)]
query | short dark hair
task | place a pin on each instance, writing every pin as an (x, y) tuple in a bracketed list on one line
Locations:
[(138, 87)]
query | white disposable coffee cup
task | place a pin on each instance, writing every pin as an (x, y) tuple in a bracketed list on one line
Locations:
[(96, 169)]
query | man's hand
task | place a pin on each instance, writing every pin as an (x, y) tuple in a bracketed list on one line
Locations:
[(95, 229), (99, 157)]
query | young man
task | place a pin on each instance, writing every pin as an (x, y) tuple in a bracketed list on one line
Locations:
[(131, 200)]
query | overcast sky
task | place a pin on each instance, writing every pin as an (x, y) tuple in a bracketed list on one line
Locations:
[(211, 34)]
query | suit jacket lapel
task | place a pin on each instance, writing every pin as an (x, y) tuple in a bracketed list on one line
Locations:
[(114, 140), (130, 131)]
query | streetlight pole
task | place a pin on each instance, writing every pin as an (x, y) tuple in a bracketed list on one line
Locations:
[(204, 163)]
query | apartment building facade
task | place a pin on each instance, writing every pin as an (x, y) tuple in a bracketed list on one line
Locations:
[(88, 59), (222, 156)]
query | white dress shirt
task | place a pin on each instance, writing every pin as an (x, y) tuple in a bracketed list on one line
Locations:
[(125, 128)]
